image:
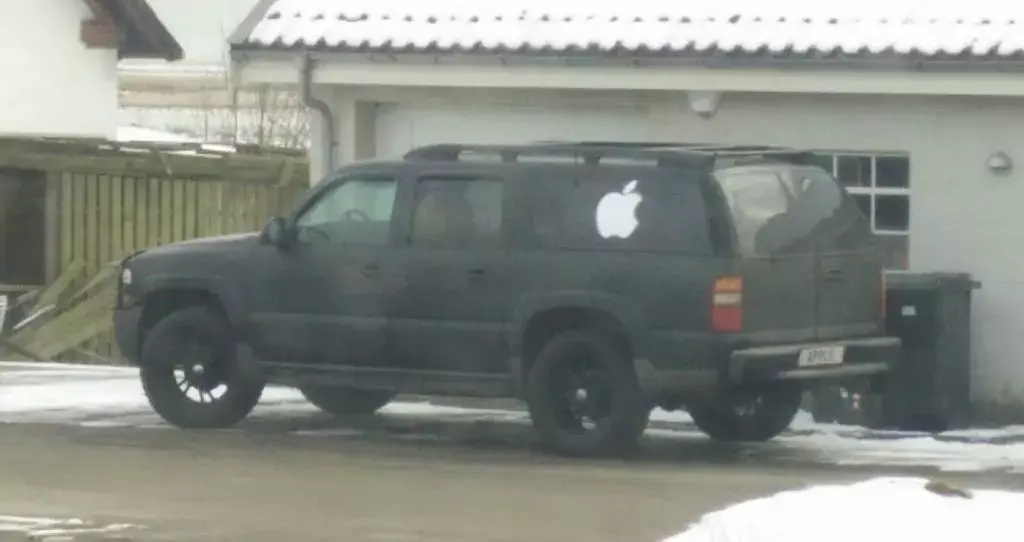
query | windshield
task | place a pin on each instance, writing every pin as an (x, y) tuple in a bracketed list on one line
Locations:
[(778, 208)]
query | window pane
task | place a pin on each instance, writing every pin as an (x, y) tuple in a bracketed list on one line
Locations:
[(824, 161), (892, 213), (621, 209), (892, 171), (854, 171), (457, 211), (357, 211)]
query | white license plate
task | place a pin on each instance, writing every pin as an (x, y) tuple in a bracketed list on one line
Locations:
[(821, 356)]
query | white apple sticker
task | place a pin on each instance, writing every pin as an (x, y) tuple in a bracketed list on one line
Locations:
[(616, 212)]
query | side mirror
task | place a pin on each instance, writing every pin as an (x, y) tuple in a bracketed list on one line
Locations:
[(276, 232)]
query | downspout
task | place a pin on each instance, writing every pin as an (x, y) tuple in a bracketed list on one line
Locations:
[(321, 107)]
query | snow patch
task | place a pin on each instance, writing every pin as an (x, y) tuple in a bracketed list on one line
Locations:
[(878, 509)]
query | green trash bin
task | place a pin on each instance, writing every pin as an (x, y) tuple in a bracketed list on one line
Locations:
[(930, 388)]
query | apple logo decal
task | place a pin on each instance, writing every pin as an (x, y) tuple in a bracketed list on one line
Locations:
[(616, 212)]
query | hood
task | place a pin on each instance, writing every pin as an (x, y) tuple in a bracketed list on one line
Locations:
[(221, 245)]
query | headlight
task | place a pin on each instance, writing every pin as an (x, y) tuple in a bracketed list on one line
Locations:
[(126, 276)]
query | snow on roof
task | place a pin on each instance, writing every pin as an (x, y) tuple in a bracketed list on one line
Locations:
[(979, 29), (142, 135), (883, 509)]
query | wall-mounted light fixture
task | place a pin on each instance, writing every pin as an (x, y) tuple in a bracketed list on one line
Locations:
[(999, 162), (704, 102)]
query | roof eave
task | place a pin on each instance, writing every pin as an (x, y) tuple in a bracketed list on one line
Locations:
[(150, 39)]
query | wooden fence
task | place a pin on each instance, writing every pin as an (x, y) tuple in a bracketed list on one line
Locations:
[(111, 204)]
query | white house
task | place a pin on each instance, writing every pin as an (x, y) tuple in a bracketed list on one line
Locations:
[(59, 61), (916, 106)]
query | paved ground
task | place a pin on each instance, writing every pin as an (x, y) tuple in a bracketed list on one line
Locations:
[(259, 486), (78, 444)]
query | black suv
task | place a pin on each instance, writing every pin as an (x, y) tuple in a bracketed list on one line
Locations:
[(593, 280)]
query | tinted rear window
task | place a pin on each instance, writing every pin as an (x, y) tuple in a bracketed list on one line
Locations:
[(589, 208), (780, 208)]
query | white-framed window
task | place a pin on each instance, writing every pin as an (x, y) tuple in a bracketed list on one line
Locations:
[(880, 183)]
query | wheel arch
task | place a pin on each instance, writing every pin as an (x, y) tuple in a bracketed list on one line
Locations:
[(164, 295), (540, 319)]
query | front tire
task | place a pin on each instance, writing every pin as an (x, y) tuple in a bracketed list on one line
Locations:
[(340, 401), (745, 415), (584, 398), (190, 374)]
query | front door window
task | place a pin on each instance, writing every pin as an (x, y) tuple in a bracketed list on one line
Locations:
[(355, 211)]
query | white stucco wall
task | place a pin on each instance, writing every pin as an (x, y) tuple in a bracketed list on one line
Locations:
[(963, 218), (52, 84)]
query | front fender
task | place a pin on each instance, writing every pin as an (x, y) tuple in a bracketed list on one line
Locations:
[(222, 290)]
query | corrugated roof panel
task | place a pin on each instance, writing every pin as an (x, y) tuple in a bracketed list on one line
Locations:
[(928, 28)]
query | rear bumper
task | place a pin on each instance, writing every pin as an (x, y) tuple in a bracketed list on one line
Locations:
[(726, 365), (862, 357), (126, 332)]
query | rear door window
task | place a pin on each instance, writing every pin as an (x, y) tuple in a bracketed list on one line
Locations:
[(619, 209), (781, 208)]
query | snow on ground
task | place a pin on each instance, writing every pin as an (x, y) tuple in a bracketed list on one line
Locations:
[(112, 397), (882, 509), (42, 528)]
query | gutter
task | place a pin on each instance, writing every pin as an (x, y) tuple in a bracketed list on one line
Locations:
[(321, 107)]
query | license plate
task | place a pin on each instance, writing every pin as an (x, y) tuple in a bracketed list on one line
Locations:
[(820, 356)]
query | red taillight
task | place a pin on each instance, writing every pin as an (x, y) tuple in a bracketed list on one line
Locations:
[(727, 304)]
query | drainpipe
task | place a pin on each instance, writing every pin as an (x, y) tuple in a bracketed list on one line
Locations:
[(321, 107)]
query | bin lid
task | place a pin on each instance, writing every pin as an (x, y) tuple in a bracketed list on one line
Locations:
[(906, 280)]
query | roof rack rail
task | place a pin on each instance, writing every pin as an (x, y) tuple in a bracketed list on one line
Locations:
[(591, 154)]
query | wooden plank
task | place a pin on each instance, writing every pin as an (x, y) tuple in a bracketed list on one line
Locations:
[(104, 220), (141, 213), (262, 206), (51, 294), (226, 210), (178, 210), (238, 208), (92, 224), (191, 208), (117, 247), (205, 208), (153, 233), (129, 205), (166, 211), (79, 216), (52, 227), (67, 220)]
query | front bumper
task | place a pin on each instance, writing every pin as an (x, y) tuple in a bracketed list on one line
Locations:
[(126, 331), (862, 357)]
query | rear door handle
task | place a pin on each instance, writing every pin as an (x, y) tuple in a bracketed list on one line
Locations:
[(834, 274), (370, 270), (475, 274)]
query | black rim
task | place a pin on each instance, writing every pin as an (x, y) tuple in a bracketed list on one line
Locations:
[(199, 376), (582, 394)]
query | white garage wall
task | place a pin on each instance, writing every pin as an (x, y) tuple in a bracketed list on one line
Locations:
[(402, 127)]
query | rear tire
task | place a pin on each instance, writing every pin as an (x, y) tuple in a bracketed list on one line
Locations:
[(579, 376), (341, 401), (748, 415), (188, 357)]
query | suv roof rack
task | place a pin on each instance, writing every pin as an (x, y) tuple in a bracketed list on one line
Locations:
[(592, 152)]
